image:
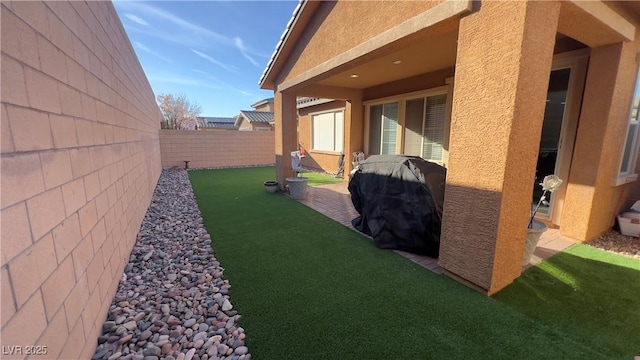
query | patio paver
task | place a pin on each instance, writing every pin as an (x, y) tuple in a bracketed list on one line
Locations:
[(333, 201)]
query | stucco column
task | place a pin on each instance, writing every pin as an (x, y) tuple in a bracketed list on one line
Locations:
[(502, 72), (286, 135), (590, 201), (353, 131)]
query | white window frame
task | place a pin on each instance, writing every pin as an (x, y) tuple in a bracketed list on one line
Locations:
[(398, 126), (401, 99), (629, 174), (311, 119)]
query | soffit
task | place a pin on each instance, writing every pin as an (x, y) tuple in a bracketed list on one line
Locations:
[(629, 10), (595, 24), (424, 56)]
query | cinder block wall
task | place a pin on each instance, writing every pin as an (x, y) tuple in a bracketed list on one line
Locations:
[(216, 148), (80, 160)]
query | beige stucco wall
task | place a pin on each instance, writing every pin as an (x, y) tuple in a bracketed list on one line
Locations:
[(498, 106), (80, 160), (216, 148), (591, 201), (262, 127), (337, 27), (317, 159), (267, 106), (245, 125)]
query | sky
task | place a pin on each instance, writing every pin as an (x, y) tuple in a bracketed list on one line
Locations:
[(214, 52)]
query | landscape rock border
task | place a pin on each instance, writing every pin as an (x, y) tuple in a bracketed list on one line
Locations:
[(615, 242), (173, 301)]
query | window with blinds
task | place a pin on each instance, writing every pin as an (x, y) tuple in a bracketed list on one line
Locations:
[(328, 131), (383, 128), (424, 127), (631, 143)]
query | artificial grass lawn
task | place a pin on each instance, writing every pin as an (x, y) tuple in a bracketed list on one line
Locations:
[(316, 179), (587, 291), (309, 288)]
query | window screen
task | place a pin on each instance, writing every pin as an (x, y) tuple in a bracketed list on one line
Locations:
[(375, 126), (433, 136), (389, 128), (414, 123), (328, 131)]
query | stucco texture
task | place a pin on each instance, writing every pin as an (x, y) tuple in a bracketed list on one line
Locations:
[(337, 27), (499, 96), (591, 200), (286, 137)]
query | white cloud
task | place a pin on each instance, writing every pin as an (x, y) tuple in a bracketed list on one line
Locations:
[(136, 19), (183, 32), (214, 61), (209, 76), (222, 84), (191, 34), (178, 80), (149, 51), (243, 50)]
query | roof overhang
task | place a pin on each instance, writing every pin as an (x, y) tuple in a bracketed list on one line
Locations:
[(301, 15), (262, 102), (594, 23), (238, 120), (442, 18)]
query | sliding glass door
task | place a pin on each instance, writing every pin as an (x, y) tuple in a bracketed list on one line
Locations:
[(410, 124)]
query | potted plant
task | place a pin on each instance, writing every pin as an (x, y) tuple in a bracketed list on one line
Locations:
[(271, 186), (297, 185), (549, 184)]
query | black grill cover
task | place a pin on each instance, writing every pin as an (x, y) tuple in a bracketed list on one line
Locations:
[(399, 199)]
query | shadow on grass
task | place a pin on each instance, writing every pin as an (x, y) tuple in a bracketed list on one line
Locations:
[(586, 292)]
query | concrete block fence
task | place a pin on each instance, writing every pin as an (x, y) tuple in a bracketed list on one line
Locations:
[(216, 148), (80, 159)]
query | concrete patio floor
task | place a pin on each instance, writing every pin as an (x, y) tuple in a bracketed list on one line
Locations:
[(334, 201)]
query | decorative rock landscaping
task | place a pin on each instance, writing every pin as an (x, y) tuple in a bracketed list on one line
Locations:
[(615, 242), (172, 301)]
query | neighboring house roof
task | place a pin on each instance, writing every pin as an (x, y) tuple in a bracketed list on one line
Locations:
[(262, 102), (205, 122), (295, 17), (230, 126), (255, 117), (304, 102)]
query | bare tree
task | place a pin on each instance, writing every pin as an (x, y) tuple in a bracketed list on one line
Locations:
[(178, 112)]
